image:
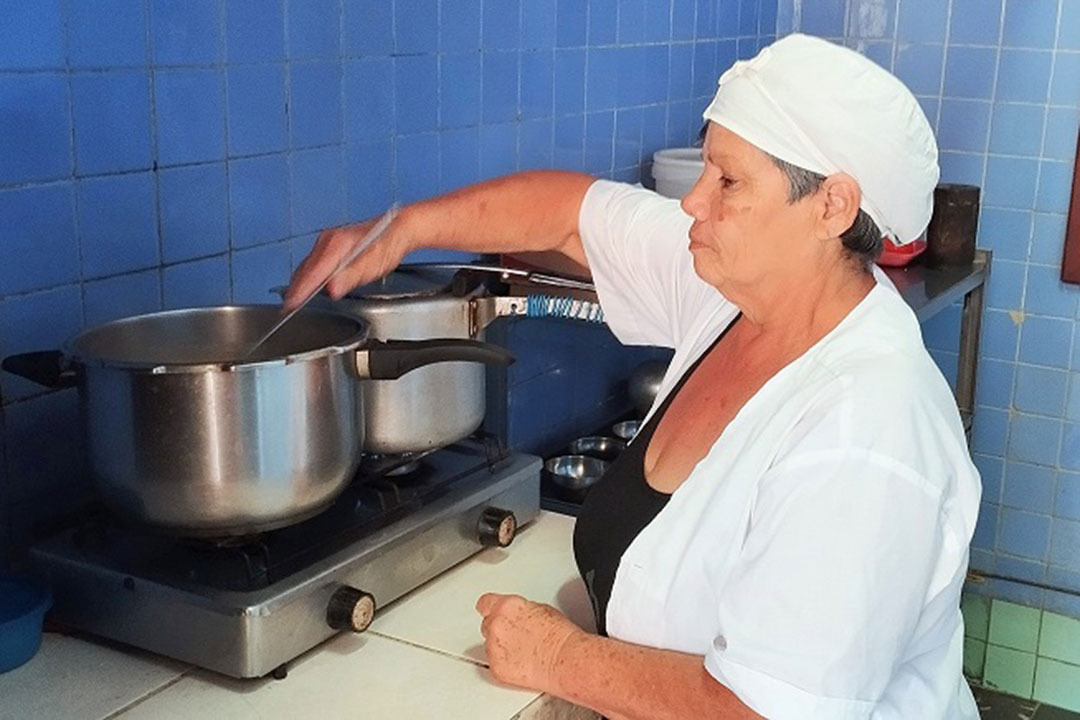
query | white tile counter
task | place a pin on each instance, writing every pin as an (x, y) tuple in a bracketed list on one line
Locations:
[(421, 658)]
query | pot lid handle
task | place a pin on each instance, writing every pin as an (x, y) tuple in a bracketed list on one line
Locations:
[(48, 368)]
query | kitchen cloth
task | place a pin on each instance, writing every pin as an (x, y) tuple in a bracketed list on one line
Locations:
[(829, 109)]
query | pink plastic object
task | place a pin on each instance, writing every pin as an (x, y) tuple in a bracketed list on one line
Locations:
[(893, 255)]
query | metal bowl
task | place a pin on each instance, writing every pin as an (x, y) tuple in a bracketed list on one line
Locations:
[(627, 429), (605, 448), (573, 475)]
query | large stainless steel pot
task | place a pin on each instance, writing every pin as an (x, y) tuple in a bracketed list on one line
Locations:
[(185, 433)]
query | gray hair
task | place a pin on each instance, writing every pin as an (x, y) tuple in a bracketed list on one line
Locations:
[(862, 240)]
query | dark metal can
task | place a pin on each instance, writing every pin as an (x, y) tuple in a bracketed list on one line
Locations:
[(950, 237)]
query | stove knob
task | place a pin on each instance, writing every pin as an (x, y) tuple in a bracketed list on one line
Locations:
[(496, 527), (350, 609)]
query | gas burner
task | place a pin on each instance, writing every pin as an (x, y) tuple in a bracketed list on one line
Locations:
[(406, 464), (376, 466), (225, 543), (240, 563), (247, 605), (407, 468)]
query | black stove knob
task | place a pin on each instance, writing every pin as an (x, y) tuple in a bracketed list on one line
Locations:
[(350, 609), (497, 527)]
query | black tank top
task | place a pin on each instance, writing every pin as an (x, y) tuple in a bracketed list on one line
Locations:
[(619, 507)]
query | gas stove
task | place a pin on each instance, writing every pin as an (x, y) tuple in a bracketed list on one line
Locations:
[(247, 606)]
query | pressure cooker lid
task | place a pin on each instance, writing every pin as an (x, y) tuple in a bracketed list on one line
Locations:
[(407, 283)]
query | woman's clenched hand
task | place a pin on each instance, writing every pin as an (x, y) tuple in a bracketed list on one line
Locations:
[(523, 640)]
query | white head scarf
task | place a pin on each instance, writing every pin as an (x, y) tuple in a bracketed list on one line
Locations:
[(828, 109)]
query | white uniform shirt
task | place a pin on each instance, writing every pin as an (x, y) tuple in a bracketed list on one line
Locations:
[(815, 556)]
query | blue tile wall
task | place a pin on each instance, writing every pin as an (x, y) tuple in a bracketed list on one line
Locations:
[(313, 28), (185, 32), (1029, 487), (120, 295), (174, 153), (117, 224), (318, 189), (256, 109), (315, 99), (1067, 500), (258, 201), (196, 284), (189, 113), (368, 27), (416, 26), (369, 98), (969, 71), (193, 202), (39, 225), (106, 39), (1000, 82), (498, 149), (920, 67), (36, 124), (112, 114), (254, 31), (34, 35)]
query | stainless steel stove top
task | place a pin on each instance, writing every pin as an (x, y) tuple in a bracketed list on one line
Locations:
[(246, 607)]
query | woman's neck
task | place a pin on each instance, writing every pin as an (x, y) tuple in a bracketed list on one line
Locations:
[(803, 306)]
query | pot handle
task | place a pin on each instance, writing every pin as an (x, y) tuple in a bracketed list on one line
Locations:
[(45, 367), (390, 359)]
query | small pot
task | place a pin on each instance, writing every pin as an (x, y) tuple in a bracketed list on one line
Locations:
[(415, 305), (605, 448), (187, 433), (439, 300), (572, 476), (418, 302)]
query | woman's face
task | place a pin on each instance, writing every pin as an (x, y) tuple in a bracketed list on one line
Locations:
[(744, 228)]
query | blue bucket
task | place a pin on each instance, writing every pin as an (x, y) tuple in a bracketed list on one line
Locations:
[(23, 604)]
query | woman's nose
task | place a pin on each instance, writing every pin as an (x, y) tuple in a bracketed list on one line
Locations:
[(696, 202)]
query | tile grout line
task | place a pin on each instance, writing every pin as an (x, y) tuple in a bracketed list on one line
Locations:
[(985, 171), (146, 696), (155, 169), (73, 193), (287, 151), (223, 49), (421, 646)]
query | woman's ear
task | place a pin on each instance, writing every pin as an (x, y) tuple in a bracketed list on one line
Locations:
[(840, 197)]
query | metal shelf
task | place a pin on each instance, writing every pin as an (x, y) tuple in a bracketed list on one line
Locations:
[(930, 290)]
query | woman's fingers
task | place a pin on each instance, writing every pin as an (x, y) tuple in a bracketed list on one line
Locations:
[(486, 603), (373, 263), (329, 250)]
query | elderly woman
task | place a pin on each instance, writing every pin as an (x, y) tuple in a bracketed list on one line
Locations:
[(787, 536)]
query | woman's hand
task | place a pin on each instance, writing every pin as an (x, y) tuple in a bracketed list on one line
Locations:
[(333, 245), (523, 640)]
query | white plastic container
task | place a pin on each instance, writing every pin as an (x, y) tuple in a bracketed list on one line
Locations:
[(676, 170)]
